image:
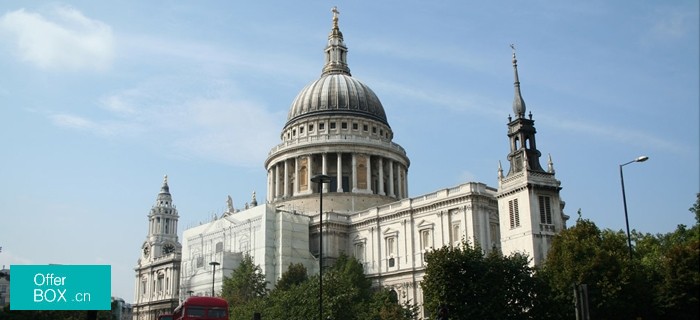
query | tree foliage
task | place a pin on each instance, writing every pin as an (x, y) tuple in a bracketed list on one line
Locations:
[(660, 280), (245, 287), (347, 295), (295, 275), (583, 254), (472, 285)]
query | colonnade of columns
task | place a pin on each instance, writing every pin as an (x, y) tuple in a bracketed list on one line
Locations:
[(349, 172)]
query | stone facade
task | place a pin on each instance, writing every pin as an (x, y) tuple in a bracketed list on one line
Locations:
[(273, 238)]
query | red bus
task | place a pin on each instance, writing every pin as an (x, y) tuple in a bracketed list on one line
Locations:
[(165, 317), (202, 308)]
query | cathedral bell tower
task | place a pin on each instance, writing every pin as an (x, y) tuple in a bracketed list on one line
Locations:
[(529, 206), (158, 269)]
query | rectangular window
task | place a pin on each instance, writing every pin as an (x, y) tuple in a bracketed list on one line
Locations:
[(332, 125), (514, 214), (456, 236), (301, 129), (365, 128), (545, 210), (425, 239), (311, 127), (294, 132), (374, 129), (354, 126), (322, 126), (391, 251), (360, 251), (143, 286), (200, 262), (390, 246), (343, 125)]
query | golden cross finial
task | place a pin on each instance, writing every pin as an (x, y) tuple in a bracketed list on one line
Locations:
[(335, 15)]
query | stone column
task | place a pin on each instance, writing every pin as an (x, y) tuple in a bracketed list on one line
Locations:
[(276, 182), (399, 182), (286, 178), (295, 190), (309, 164), (391, 178), (354, 172), (381, 177), (269, 185), (340, 173), (369, 174), (324, 170), (405, 182)]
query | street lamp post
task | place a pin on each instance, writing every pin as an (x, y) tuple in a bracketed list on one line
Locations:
[(213, 274), (320, 179), (624, 200)]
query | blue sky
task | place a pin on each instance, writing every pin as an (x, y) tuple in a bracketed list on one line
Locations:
[(100, 99)]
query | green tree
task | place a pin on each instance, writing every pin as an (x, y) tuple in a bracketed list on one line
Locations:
[(618, 287), (472, 285), (245, 289), (295, 275), (673, 261), (347, 295)]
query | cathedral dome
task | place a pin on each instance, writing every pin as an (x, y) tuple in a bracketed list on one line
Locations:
[(337, 94)]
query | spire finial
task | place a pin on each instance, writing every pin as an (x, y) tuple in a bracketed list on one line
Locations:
[(550, 164), (336, 52), (500, 170), (335, 16), (518, 102), (165, 179)]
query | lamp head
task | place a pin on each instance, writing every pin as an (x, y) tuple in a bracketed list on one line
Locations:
[(641, 159)]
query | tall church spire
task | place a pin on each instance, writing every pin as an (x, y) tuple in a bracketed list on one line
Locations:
[(523, 155), (529, 206), (518, 102), (336, 51)]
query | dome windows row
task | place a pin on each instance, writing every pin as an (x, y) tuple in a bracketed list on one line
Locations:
[(352, 126)]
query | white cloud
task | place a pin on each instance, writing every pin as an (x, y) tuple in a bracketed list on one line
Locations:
[(71, 121), (64, 39), (103, 128), (223, 128)]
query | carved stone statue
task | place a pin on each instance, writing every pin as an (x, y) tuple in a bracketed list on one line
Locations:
[(229, 205)]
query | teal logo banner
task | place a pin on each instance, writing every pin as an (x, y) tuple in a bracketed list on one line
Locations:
[(61, 287)]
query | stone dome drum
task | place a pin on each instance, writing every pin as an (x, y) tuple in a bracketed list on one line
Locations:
[(337, 94)]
